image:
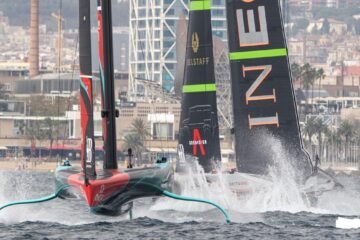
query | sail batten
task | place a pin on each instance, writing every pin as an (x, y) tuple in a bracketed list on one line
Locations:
[(196, 88), (200, 5), (280, 52)]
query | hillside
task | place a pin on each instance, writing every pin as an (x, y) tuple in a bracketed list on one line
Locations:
[(18, 12)]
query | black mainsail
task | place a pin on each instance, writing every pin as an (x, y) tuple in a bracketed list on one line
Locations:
[(101, 71), (263, 96), (86, 92), (109, 112), (199, 129)]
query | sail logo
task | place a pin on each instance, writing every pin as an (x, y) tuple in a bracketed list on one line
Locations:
[(197, 141), (195, 42), (197, 61), (249, 96), (251, 38), (89, 147), (100, 195)]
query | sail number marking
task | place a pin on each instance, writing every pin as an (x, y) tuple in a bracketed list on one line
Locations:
[(89, 147), (197, 141)]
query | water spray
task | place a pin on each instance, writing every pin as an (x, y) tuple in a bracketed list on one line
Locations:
[(38, 200), (163, 192)]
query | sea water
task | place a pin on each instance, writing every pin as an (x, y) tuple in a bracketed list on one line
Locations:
[(61, 219), (275, 211)]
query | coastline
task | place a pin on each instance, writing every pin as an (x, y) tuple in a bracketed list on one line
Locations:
[(39, 165), (20, 165)]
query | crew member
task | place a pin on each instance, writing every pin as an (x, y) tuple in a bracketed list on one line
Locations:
[(317, 162), (129, 155)]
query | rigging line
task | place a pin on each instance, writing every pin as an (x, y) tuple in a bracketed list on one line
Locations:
[(59, 78), (69, 100)]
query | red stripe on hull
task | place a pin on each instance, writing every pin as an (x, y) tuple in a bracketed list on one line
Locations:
[(101, 58), (84, 123), (101, 189), (100, 39)]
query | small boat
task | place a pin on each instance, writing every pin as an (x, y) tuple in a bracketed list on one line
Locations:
[(266, 127), (111, 191), (199, 128), (108, 191)]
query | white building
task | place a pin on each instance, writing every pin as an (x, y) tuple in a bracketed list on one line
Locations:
[(152, 35)]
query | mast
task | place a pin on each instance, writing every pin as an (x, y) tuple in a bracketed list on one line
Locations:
[(199, 129), (109, 113), (86, 93), (263, 96), (101, 69)]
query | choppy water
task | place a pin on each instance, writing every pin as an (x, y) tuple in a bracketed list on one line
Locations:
[(168, 219)]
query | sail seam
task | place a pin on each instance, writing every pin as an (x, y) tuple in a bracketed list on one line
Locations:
[(196, 88), (200, 5), (278, 52)]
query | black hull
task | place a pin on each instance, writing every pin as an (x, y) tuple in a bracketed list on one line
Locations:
[(111, 191)]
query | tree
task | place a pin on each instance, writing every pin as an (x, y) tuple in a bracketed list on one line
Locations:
[(134, 142), (314, 30), (350, 23), (357, 139), (139, 127), (346, 130), (50, 129), (333, 142), (300, 24), (296, 71), (325, 29), (308, 76), (320, 129), (43, 106), (33, 132), (137, 137), (320, 75), (310, 129), (46, 129)]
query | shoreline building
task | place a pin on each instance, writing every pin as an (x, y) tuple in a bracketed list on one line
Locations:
[(152, 41)]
